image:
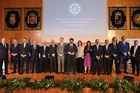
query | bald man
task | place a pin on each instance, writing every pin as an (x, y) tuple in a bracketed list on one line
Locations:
[(53, 55), (3, 55), (35, 49), (97, 56), (44, 51)]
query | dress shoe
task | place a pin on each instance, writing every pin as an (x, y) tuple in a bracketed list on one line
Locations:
[(103, 73), (21, 73), (108, 73), (67, 73), (133, 72), (126, 72), (137, 74), (13, 72), (119, 72), (74, 73), (98, 73), (93, 73)]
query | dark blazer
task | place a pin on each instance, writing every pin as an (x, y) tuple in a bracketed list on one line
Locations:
[(69, 49), (25, 50), (137, 54), (15, 49), (123, 48), (88, 51), (96, 52), (115, 51), (42, 52), (53, 50), (108, 51), (35, 52), (3, 51)]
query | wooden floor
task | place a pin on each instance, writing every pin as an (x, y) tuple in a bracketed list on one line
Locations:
[(87, 77)]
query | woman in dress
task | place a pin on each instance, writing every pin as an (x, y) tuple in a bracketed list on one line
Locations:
[(87, 57), (79, 57)]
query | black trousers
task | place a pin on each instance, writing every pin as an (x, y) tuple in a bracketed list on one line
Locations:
[(96, 65), (134, 63), (52, 64), (22, 61), (116, 64), (16, 62), (71, 63), (79, 65), (43, 64), (35, 64), (107, 65), (6, 65)]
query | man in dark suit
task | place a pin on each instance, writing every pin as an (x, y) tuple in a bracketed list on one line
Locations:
[(135, 57), (3, 55), (71, 50), (97, 56), (24, 55), (53, 55), (124, 49), (35, 49), (107, 52), (14, 50), (44, 51), (115, 54)]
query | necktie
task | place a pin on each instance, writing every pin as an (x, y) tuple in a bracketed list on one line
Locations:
[(124, 43), (24, 45), (5, 45), (71, 45), (97, 47), (114, 46), (106, 47), (135, 48), (14, 45), (53, 45), (34, 47), (61, 44)]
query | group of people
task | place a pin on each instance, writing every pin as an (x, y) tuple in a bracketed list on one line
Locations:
[(71, 57)]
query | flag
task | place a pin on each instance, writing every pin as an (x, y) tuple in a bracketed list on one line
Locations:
[(29, 42)]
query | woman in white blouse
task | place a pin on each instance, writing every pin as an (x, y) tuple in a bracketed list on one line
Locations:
[(79, 57)]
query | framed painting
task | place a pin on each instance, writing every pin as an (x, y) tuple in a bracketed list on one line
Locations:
[(12, 19), (135, 18), (117, 18), (32, 18)]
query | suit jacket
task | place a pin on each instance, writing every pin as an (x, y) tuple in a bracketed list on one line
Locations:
[(137, 54), (60, 49), (3, 51), (35, 52), (123, 48), (42, 52), (88, 51), (115, 51), (53, 50), (70, 49), (96, 52), (14, 49), (26, 50), (108, 51)]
